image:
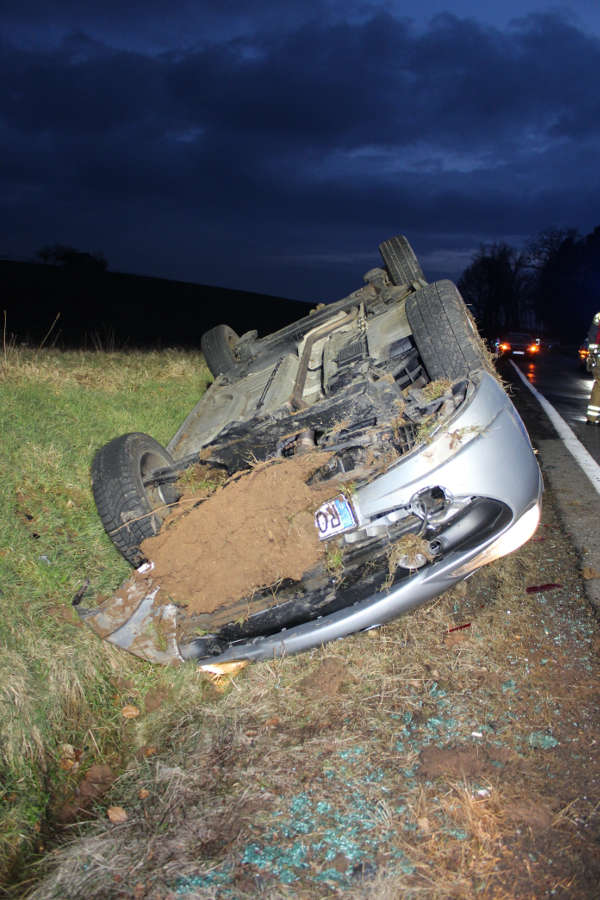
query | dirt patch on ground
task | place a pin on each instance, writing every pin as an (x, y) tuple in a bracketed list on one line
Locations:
[(155, 699), (531, 813), (96, 782), (252, 533), (458, 762), (326, 680)]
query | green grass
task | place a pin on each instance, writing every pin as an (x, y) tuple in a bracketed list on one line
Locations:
[(58, 683)]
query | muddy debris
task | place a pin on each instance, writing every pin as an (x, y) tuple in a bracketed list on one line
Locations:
[(459, 761), (250, 534), (326, 680), (96, 782)]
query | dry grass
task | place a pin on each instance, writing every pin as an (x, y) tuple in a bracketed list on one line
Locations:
[(116, 372), (436, 389), (410, 552)]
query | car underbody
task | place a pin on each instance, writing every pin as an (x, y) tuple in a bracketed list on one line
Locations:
[(431, 470)]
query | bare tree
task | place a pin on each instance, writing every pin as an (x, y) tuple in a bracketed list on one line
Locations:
[(496, 287), (553, 285), (556, 259)]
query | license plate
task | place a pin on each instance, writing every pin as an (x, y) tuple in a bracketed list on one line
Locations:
[(334, 517), (518, 353)]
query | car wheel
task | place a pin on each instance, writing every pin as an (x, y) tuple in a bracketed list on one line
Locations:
[(400, 261), (218, 346), (444, 332), (131, 504)]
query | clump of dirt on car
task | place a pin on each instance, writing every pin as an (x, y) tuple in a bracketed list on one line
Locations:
[(250, 533)]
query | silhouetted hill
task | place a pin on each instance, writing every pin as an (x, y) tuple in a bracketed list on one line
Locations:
[(108, 308)]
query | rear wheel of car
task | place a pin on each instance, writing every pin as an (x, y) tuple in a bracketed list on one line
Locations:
[(445, 333), (218, 346), (400, 261), (131, 501)]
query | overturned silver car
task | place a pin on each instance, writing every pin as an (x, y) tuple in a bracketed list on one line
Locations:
[(431, 469)]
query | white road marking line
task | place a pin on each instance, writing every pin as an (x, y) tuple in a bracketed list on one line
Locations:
[(585, 460)]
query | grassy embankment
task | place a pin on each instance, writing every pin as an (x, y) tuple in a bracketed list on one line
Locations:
[(449, 754), (61, 689)]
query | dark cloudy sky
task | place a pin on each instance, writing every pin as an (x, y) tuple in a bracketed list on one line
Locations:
[(271, 145)]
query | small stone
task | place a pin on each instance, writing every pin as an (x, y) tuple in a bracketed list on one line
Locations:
[(116, 814)]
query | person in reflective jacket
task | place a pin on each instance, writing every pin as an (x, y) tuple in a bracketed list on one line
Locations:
[(593, 409)]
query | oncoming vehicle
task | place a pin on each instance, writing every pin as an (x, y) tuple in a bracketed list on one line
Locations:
[(518, 343), (425, 470), (592, 344), (583, 352)]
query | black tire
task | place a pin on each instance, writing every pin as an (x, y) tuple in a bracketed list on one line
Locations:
[(445, 333), (218, 346), (130, 508), (400, 261)]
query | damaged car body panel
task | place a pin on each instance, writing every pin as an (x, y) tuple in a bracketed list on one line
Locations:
[(431, 463)]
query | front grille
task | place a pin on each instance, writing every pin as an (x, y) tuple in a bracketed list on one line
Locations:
[(405, 437)]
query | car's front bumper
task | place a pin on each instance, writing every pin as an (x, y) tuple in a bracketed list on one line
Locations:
[(380, 608)]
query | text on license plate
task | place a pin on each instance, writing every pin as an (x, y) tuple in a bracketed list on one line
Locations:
[(334, 517)]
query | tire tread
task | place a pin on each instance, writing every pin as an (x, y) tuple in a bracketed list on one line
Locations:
[(217, 346), (119, 496), (444, 332), (400, 260)]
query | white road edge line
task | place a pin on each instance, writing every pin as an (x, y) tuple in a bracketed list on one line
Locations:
[(585, 460)]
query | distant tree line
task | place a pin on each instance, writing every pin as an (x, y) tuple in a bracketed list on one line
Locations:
[(69, 258), (552, 286)]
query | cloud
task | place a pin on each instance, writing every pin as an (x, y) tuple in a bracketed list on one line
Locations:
[(299, 145)]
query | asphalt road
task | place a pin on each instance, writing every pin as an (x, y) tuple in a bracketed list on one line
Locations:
[(559, 377)]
